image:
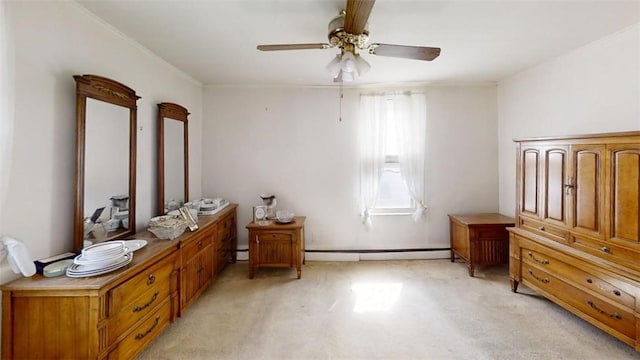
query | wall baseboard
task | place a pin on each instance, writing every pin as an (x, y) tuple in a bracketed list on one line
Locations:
[(365, 255)]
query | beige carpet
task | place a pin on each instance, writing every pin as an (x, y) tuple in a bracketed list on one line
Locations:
[(418, 309)]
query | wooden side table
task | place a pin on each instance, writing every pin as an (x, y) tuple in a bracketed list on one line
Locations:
[(276, 245), (480, 239)]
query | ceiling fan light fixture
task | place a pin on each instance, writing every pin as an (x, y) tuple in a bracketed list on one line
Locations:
[(348, 63), (347, 76), (334, 66), (361, 65)]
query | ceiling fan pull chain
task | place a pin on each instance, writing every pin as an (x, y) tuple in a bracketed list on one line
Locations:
[(341, 96)]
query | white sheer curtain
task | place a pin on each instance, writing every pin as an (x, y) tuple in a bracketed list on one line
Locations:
[(373, 112), (410, 117)]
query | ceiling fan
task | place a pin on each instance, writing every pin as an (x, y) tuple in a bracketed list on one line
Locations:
[(349, 32)]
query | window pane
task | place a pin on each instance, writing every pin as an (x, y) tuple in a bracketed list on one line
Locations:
[(391, 142), (392, 193)]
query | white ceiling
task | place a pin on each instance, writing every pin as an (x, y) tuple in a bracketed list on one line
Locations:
[(482, 41)]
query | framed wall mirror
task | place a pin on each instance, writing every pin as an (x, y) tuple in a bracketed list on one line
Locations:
[(105, 189), (173, 157)]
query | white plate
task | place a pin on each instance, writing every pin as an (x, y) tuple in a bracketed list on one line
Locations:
[(98, 263), (284, 222), (105, 256), (135, 244), (76, 270), (103, 249)]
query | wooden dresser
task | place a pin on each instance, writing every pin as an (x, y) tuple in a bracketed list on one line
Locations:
[(480, 239), (276, 245), (577, 234), (116, 315)]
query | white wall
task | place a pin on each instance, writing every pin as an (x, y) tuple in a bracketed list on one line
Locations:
[(593, 89), (52, 41), (289, 141)]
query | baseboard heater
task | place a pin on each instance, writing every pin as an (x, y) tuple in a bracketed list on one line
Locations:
[(368, 254), (375, 251)]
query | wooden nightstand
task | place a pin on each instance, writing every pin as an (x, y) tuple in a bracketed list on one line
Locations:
[(480, 239), (276, 245)]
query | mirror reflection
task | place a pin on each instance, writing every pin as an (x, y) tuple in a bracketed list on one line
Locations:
[(174, 161), (106, 165), (105, 160), (173, 157)]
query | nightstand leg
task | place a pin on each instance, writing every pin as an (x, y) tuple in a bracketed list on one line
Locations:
[(252, 271), (299, 272), (471, 269), (453, 257), (514, 285)]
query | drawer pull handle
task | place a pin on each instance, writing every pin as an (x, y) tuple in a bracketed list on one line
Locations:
[(594, 307), (200, 244), (543, 261), (140, 308), (542, 280), (615, 292), (151, 279), (139, 336), (200, 269), (605, 249), (541, 228)]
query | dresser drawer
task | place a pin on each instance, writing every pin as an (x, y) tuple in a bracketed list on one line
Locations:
[(142, 335), (194, 247), (614, 317), (606, 250), (138, 309), (574, 275), (224, 227), (546, 230), (155, 278)]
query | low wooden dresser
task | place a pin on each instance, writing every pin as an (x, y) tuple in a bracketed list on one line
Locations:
[(480, 239), (116, 315), (276, 245)]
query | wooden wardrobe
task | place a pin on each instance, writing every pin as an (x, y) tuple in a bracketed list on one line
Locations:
[(577, 238)]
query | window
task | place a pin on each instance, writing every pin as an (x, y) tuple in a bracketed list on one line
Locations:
[(393, 196), (392, 144)]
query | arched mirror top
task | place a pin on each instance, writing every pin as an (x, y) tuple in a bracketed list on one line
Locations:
[(173, 157), (105, 198), (173, 111), (107, 90)]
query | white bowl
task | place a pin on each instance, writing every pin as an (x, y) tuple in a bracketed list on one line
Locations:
[(121, 215), (284, 215), (167, 227), (113, 224), (167, 234)]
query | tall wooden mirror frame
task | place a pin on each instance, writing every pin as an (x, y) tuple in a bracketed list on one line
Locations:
[(112, 92), (171, 112)]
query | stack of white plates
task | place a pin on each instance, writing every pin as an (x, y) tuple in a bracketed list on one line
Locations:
[(100, 259)]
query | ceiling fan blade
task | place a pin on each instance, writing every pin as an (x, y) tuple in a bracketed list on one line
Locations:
[(356, 16), (277, 47), (407, 52)]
